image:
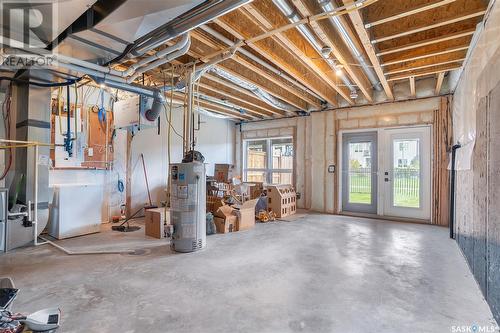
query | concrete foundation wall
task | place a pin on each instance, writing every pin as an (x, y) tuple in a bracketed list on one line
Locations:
[(316, 138), (476, 114)]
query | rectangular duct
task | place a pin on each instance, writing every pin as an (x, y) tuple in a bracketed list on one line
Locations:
[(31, 109)]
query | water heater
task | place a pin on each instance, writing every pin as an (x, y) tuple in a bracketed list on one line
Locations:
[(188, 206)]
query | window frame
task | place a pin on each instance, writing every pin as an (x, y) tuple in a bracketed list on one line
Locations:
[(269, 170)]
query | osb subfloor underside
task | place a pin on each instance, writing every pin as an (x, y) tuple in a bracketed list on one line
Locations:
[(319, 273)]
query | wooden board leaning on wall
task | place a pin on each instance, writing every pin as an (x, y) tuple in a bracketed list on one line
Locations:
[(97, 135)]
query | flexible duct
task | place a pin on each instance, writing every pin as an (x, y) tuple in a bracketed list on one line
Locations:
[(211, 114), (289, 12), (204, 13), (258, 60), (221, 103), (327, 6), (263, 95)]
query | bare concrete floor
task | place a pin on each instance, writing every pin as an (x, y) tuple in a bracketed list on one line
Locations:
[(319, 273)]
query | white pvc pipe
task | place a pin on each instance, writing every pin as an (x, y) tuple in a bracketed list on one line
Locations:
[(158, 55), (86, 64), (167, 58), (69, 252)]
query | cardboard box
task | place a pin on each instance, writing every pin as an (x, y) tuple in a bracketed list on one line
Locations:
[(224, 172), (225, 225), (255, 189), (213, 203), (155, 221), (246, 214), (225, 220)]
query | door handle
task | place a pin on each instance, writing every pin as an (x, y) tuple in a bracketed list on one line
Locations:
[(387, 180)]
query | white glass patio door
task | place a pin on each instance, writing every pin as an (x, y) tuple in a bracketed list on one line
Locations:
[(406, 172)]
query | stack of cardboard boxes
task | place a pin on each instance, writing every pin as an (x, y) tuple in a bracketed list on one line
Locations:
[(224, 173), (235, 218)]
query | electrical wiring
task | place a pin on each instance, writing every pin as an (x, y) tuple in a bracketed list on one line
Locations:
[(40, 84), (172, 126)]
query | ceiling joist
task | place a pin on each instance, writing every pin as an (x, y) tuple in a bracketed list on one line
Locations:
[(429, 27), (413, 90), (331, 38), (359, 26), (407, 69), (427, 42), (439, 83), (260, 11), (424, 73), (455, 49), (409, 13)]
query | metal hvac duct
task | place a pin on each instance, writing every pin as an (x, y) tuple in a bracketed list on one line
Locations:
[(258, 60), (327, 6), (292, 15), (263, 95), (204, 13), (30, 105)]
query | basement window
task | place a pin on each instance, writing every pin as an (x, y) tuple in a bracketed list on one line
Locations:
[(269, 160)]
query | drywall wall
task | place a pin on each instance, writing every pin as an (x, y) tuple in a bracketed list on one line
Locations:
[(315, 138), (476, 111), (215, 140)]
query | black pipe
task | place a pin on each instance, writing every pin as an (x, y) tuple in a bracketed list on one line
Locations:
[(40, 84), (452, 190)]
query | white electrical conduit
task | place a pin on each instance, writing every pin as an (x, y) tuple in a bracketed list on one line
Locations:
[(258, 60), (289, 12), (327, 6)]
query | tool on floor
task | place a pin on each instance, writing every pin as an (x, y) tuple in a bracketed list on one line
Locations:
[(125, 225), (146, 178), (46, 320)]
